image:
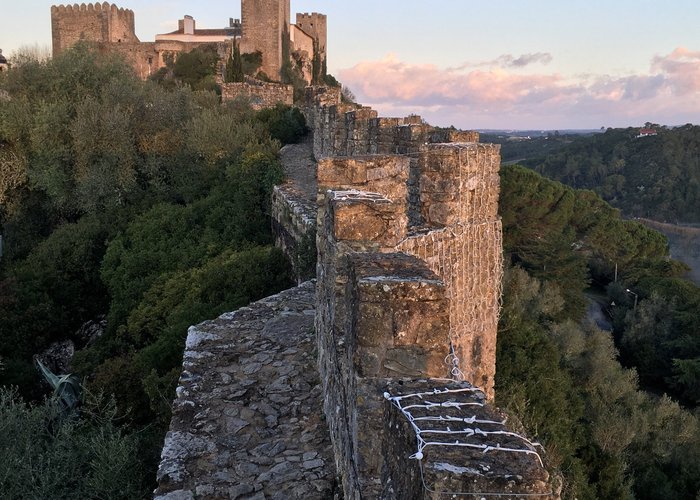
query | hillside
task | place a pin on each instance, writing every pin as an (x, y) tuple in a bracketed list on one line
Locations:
[(655, 176)]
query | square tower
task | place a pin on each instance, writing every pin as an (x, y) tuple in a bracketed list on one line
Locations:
[(266, 28), (315, 25), (99, 22)]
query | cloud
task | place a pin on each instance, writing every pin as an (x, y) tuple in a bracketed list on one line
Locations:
[(682, 68), (525, 59), (496, 92), (509, 61)]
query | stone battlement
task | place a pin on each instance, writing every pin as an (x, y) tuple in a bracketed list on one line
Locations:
[(90, 7), (407, 301), (310, 16)]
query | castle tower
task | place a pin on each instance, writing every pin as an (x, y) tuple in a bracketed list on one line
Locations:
[(266, 29), (315, 25), (99, 22)]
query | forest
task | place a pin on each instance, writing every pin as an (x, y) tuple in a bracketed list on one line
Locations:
[(617, 410), (142, 207), (654, 176), (135, 205)]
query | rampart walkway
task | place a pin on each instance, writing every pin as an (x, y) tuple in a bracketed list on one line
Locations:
[(247, 422)]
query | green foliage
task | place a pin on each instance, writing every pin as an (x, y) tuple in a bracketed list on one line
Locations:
[(234, 65), (154, 333), (197, 67), (545, 220), (661, 337), (219, 136), (34, 309), (563, 381), (285, 123), (171, 237), (547, 406), (656, 177), (142, 200), (73, 458)]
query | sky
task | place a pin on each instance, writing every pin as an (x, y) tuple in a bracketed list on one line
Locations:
[(497, 64)]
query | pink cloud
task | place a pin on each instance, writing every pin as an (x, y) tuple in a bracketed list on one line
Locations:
[(669, 93), (682, 68)]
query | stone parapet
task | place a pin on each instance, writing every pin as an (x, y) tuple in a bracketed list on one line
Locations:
[(294, 229), (383, 174), (399, 317), (459, 183), (469, 259), (444, 440), (294, 209)]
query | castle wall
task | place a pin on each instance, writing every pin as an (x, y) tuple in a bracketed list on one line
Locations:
[(405, 327), (143, 57), (400, 312), (261, 94), (102, 23)]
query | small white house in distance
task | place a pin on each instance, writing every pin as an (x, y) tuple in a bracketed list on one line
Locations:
[(647, 132)]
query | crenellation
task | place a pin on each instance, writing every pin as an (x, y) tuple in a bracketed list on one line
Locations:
[(409, 280)]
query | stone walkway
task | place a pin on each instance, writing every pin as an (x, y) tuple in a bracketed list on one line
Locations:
[(300, 168), (247, 421)]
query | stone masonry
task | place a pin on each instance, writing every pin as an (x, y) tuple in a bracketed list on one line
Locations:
[(99, 22), (247, 421), (408, 271), (450, 185), (266, 27), (260, 94)]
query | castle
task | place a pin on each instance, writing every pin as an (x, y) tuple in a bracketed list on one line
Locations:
[(265, 27)]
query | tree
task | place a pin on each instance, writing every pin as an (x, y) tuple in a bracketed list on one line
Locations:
[(285, 123), (197, 68), (234, 65), (46, 457)]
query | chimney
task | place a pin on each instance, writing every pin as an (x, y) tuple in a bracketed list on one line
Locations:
[(188, 25)]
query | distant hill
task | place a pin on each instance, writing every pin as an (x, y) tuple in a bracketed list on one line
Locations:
[(518, 145), (652, 172)]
